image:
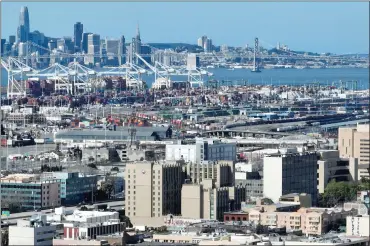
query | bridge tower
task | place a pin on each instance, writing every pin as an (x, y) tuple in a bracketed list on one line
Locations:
[(255, 63)]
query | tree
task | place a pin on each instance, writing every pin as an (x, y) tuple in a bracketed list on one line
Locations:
[(108, 187), (339, 192), (115, 169), (5, 238)]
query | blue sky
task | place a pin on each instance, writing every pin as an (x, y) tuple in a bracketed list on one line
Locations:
[(340, 27)]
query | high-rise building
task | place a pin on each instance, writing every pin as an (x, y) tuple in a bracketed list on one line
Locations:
[(24, 25), (52, 45), (93, 48), (12, 39), (208, 46), (152, 191), (355, 142), (2, 46), (193, 62), (112, 46), (290, 171), (78, 30), (200, 42), (122, 50), (22, 49), (85, 45)]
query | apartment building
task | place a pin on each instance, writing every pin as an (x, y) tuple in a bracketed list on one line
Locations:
[(221, 172), (28, 192), (290, 171), (202, 150), (252, 181), (152, 191), (355, 142), (312, 221), (205, 201), (331, 167)]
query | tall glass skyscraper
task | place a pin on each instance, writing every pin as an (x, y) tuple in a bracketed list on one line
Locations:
[(78, 30), (24, 25)]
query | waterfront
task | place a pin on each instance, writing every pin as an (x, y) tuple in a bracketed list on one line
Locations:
[(277, 76)]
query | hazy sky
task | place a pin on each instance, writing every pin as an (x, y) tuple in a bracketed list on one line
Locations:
[(320, 27)]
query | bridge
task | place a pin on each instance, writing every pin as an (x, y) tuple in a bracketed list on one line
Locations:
[(244, 133)]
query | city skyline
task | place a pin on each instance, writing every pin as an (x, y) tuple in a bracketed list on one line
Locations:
[(348, 28)]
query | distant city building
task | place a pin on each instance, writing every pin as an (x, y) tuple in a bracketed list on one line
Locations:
[(290, 171), (355, 142), (202, 150), (122, 50), (2, 46), (112, 47), (78, 31), (85, 45), (193, 62), (93, 49), (12, 39), (152, 191), (22, 49), (135, 47), (208, 46), (24, 25), (69, 45), (52, 45)]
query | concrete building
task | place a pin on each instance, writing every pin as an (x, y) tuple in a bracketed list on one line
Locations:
[(355, 142), (252, 181), (93, 48), (28, 192), (202, 150), (332, 167), (75, 187), (86, 224), (358, 226), (152, 191), (290, 171), (312, 221), (35, 231), (220, 172), (193, 62), (205, 201)]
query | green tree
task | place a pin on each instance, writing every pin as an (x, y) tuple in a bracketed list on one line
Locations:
[(338, 193), (108, 187)]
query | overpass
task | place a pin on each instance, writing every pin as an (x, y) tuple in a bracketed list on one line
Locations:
[(244, 133)]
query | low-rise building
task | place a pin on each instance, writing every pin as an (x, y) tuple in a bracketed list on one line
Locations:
[(358, 226), (332, 167), (28, 192), (34, 231), (74, 187)]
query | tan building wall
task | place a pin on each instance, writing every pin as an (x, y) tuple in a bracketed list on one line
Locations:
[(152, 190), (330, 166), (192, 201), (355, 142)]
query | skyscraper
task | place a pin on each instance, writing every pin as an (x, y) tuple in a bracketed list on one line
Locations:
[(78, 30), (85, 45), (93, 48), (11, 39), (122, 50), (24, 25), (2, 46)]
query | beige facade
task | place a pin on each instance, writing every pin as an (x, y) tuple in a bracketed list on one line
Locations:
[(355, 142), (312, 221), (152, 190), (332, 167), (221, 172), (201, 201)]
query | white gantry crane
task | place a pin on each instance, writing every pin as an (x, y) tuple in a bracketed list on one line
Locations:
[(17, 84)]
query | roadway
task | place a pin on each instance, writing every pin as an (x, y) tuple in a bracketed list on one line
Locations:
[(14, 217)]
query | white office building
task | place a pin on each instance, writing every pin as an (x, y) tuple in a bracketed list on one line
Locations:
[(202, 150), (35, 231), (290, 171)]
